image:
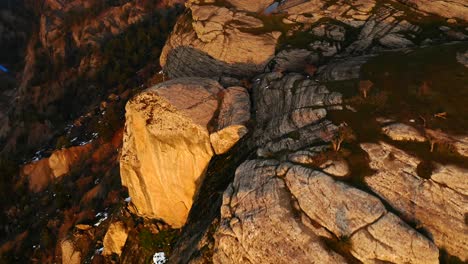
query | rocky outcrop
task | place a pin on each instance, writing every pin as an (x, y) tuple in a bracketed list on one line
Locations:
[(41, 172), (437, 205), (167, 144), (318, 208), (253, 227), (167, 147), (115, 239), (215, 41)]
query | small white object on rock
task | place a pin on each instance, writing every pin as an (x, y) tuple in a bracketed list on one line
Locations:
[(159, 258)]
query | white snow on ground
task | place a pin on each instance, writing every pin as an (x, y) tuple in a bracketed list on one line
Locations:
[(159, 258), (103, 217), (99, 250)]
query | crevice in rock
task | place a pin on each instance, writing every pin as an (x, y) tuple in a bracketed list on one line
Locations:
[(207, 204)]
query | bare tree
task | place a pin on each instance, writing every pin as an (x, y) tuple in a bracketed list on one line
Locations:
[(365, 87), (342, 134), (437, 137)]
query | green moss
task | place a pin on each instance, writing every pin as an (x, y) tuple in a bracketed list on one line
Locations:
[(162, 241)]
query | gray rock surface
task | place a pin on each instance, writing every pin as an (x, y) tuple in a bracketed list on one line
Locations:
[(258, 224), (390, 239), (438, 204)]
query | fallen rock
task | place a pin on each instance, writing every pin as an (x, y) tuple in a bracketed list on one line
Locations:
[(115, 239), (403, 132), (61, 161), (235, 108), (167, 147), (437, 204)]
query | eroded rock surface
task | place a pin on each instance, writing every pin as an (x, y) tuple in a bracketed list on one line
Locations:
[(213, 41), (318, 207), (115, 239), (258, 223), (233, 115), (438, 204), (167, 146)]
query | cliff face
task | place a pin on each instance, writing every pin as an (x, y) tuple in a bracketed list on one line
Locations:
[(354, 147)]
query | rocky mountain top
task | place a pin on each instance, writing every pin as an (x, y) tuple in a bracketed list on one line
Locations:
[(275, 132)]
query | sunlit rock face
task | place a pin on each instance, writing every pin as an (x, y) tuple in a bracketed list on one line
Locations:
[(41, 173), (167, 144), (214, 41), (115, 239)]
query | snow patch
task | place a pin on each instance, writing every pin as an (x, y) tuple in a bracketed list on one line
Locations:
[(159, 258), (102, 217)]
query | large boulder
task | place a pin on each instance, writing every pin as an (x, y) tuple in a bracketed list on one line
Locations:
[(215, 41), (167, 147), (167, 144)]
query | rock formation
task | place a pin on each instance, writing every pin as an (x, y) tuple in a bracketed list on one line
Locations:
[(223, 40), (40, 173), (272, 132), (167, 144), (115, 239), (436, 204)]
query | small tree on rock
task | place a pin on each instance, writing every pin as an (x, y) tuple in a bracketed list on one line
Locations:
[(365, 87), (344, 133)]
